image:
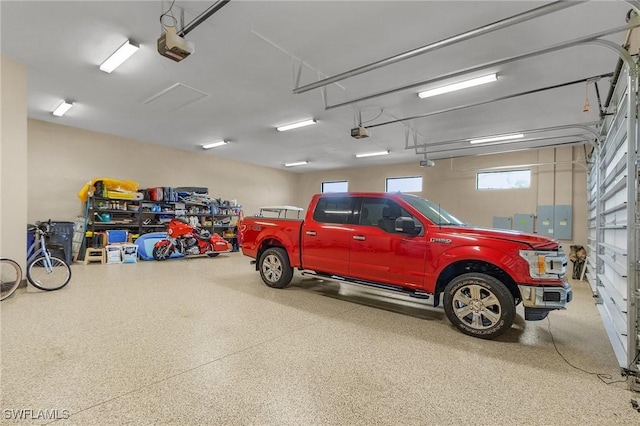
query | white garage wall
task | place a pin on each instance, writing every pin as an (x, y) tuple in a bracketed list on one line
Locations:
[(13, 162), (62, 159), (452, 183)]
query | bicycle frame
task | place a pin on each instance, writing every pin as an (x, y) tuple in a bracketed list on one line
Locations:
[(32, 253)]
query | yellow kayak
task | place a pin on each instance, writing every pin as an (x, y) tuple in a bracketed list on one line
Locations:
[(116, 188)]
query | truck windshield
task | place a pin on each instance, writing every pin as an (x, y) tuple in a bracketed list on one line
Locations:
[(432, 211)]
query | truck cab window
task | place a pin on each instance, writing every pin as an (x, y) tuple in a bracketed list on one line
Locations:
[(333, 210), (382, 212)]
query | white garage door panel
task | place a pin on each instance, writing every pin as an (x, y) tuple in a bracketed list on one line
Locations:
[(613, 292), (612, 221), (617, 138), (617, 238), (618, 167), (619, 319), (618, 341), (612, 268)]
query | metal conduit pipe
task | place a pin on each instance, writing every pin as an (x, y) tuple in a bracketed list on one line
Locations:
[(482, 67), (621, 51), (202, 17), (425, 151), (636, 8), (500, 98), (624, 56), (511, 143), (582, 126), (420, 150), (519, 166), (549, 145), (494, 26)]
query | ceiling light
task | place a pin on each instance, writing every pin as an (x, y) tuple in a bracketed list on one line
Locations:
[(118, 57), (62, 108), (297, 163), (372, 154), (214, 144), (295, 125), (498, 138), (459, 86)]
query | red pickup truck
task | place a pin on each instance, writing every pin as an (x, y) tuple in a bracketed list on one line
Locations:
[(404, 243)]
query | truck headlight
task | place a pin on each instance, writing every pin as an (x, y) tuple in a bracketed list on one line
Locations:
[(545, 264)]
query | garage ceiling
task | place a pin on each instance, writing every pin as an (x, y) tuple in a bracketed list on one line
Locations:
[(238, 84)]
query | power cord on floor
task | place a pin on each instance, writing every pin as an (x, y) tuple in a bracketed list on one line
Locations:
[(604, 378)]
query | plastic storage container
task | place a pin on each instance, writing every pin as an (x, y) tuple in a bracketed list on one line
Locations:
[(129, 253), (62, 235), (113, 253), (31, 236)]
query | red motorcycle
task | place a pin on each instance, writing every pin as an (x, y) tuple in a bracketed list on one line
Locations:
[(184, 238)]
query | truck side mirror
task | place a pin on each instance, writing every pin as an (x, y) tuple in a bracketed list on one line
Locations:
[(406, 225)]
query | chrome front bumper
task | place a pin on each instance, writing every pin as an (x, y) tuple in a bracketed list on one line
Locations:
[(538, 301)]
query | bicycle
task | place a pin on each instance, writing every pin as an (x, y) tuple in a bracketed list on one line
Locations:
[(10, 277), (44, 271)]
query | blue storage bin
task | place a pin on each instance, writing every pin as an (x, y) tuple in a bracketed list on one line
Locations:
[(31, 236), (117, 236)]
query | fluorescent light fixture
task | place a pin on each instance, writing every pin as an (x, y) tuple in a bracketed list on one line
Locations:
[(214, 144), (498, 138), (62, 108), (459, 86), (296, 125), (116, 59), (297, 163), (372, 154)]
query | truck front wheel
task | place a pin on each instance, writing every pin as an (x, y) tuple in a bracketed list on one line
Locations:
[(479, 305), (275, 269)]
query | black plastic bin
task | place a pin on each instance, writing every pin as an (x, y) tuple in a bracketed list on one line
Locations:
[(62, 235)]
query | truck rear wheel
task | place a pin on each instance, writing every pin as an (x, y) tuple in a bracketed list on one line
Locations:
[(479, 305), (275, 268)]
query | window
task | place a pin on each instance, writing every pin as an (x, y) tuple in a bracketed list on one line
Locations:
[(513, 179), (337, 186), (404, 184), (333, 210), (382, 213), (433, 211)]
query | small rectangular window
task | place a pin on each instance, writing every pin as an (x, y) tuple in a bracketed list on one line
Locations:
[(512, 179), (336, 186), (333, 210), (404, 184)]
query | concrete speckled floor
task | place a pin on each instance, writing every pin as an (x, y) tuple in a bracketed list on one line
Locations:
[(203, 341)]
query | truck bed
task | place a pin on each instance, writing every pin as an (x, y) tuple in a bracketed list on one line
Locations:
[(256, 230)]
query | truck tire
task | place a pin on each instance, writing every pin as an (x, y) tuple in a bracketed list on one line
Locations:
[(275, 268), (479, 305)]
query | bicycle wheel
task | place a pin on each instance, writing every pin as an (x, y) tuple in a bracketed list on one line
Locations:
[(48, 279), (10, 277)]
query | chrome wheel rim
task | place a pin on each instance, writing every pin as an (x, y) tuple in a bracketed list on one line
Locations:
[(272, 268), (162, 253), (476, 306)]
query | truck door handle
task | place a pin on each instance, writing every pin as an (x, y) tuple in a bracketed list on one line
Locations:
[(359, 237), (312, 233)]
